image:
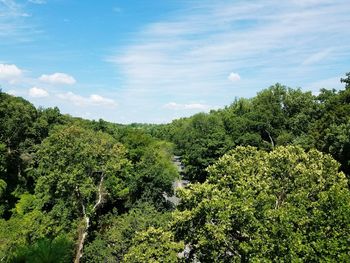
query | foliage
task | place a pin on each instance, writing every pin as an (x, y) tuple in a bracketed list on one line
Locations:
[(200, 140), (16, 120), (16, 125), (117, 232), (285, 205), (58, 250), (154, 175), (346, 80), (153, 245), (71, 163), (24, 229), (268, 203)]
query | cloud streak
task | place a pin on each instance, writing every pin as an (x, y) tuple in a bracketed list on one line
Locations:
[(14, 23), (190, 106), (190, 55), (37, 2)]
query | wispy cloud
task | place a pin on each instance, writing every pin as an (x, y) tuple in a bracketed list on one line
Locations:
[(329, 83), (14, 24), (58, 78), (190, 106), (189, 56), (37, 2), (317, 57), (92, 100)]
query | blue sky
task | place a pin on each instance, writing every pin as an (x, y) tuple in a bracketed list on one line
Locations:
[(152, 61)]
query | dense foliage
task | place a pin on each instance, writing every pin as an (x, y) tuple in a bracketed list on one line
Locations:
[(276, 116), (57, 171), (269, 182), (285, 205)]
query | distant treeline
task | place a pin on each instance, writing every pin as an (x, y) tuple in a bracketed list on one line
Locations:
[(277, 116)]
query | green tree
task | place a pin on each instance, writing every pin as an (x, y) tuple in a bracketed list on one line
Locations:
[(202, 139), (16, 125), (337, 143), (286, 205), (154, 175), (76, 171), (116, 232), (3, 184), (59, 250), (154, 245), (45, 121), (329, 128), (346, 80)]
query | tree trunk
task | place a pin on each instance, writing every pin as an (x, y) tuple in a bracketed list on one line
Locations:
[(271, 140), (84, 233)]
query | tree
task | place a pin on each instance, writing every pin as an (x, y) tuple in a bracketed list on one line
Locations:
[(154, 245), (76, 170), (16, 125), (58, 250), (3, 184), (286, 205), (329, 128), (346, 80), (45, 121), (154, 175), (116, 232), (337, 143), (202, 139)]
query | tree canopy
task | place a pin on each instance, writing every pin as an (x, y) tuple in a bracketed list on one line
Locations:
[(286, 204), (265, 179)]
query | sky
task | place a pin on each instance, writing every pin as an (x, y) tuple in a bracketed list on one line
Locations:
[(153, 61)]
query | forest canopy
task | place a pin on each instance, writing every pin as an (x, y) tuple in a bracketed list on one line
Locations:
[(268, 181)]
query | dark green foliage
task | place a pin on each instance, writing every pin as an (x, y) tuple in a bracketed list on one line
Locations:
[(116, 233), (276, 116), (154, 175), (46, 120), (346, 80), (16, 121), (17, 117), (199, 140), (70, 164), (59, 250), (330, 129)]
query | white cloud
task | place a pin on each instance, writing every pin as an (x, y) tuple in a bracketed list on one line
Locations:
[(98, 100), (234, 77), (38, 2), (14, 23), (58, 78), (188, 56), (10, 73), (191, 106), (92, 100), (317, 57), (36, 92)]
